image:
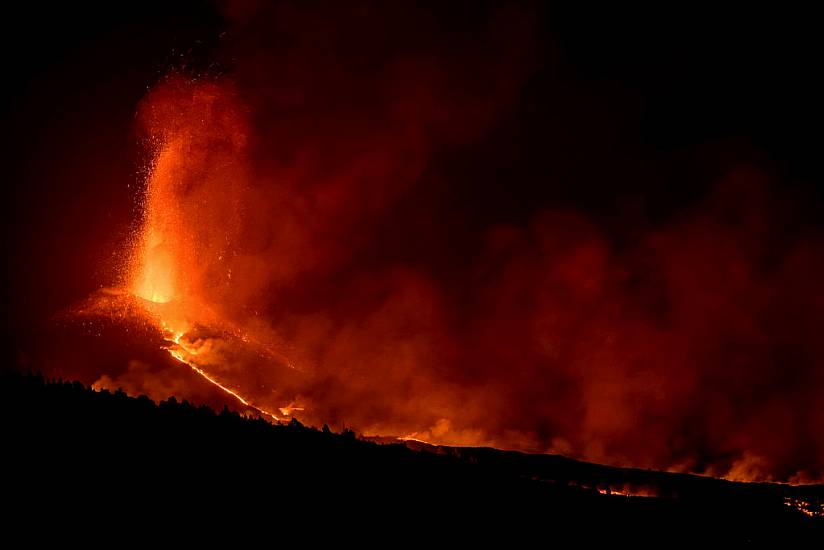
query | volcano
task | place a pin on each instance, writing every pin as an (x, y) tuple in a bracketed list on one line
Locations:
[(566, 260), (114, 318)]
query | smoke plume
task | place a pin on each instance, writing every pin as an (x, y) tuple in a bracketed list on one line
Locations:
[(306, 199)]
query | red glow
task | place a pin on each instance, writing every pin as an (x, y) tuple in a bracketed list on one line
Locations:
[(292, 255)]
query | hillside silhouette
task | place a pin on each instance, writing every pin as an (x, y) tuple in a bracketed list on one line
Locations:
[(71, 450)]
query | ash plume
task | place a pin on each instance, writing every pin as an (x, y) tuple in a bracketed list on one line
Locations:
[(316, 199)]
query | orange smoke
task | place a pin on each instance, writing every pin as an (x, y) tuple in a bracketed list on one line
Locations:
[(307, 248)]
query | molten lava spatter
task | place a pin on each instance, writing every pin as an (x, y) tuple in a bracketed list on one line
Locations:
[(160, 253), (172, 263), (156, 281)]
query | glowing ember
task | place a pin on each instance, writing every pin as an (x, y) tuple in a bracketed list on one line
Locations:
[(806, 507), (625, 491)]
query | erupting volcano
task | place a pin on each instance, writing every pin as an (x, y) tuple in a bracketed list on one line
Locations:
[(178, 257), (452, 228)]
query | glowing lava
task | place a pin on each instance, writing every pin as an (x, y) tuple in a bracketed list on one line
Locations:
[(157, 260), (178, 236), (183, 353), (156, 281), (805, 506)]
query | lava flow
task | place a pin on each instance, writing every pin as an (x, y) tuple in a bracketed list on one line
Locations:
[(185, 354)]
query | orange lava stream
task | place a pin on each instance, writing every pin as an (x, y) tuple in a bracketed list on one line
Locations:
[(179, 356)]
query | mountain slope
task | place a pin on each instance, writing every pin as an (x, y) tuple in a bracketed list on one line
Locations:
[(63, 441)]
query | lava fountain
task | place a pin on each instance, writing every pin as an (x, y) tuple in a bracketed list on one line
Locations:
[(172, 266)]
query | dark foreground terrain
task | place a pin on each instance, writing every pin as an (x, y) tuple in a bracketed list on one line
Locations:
[(98, 457)]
